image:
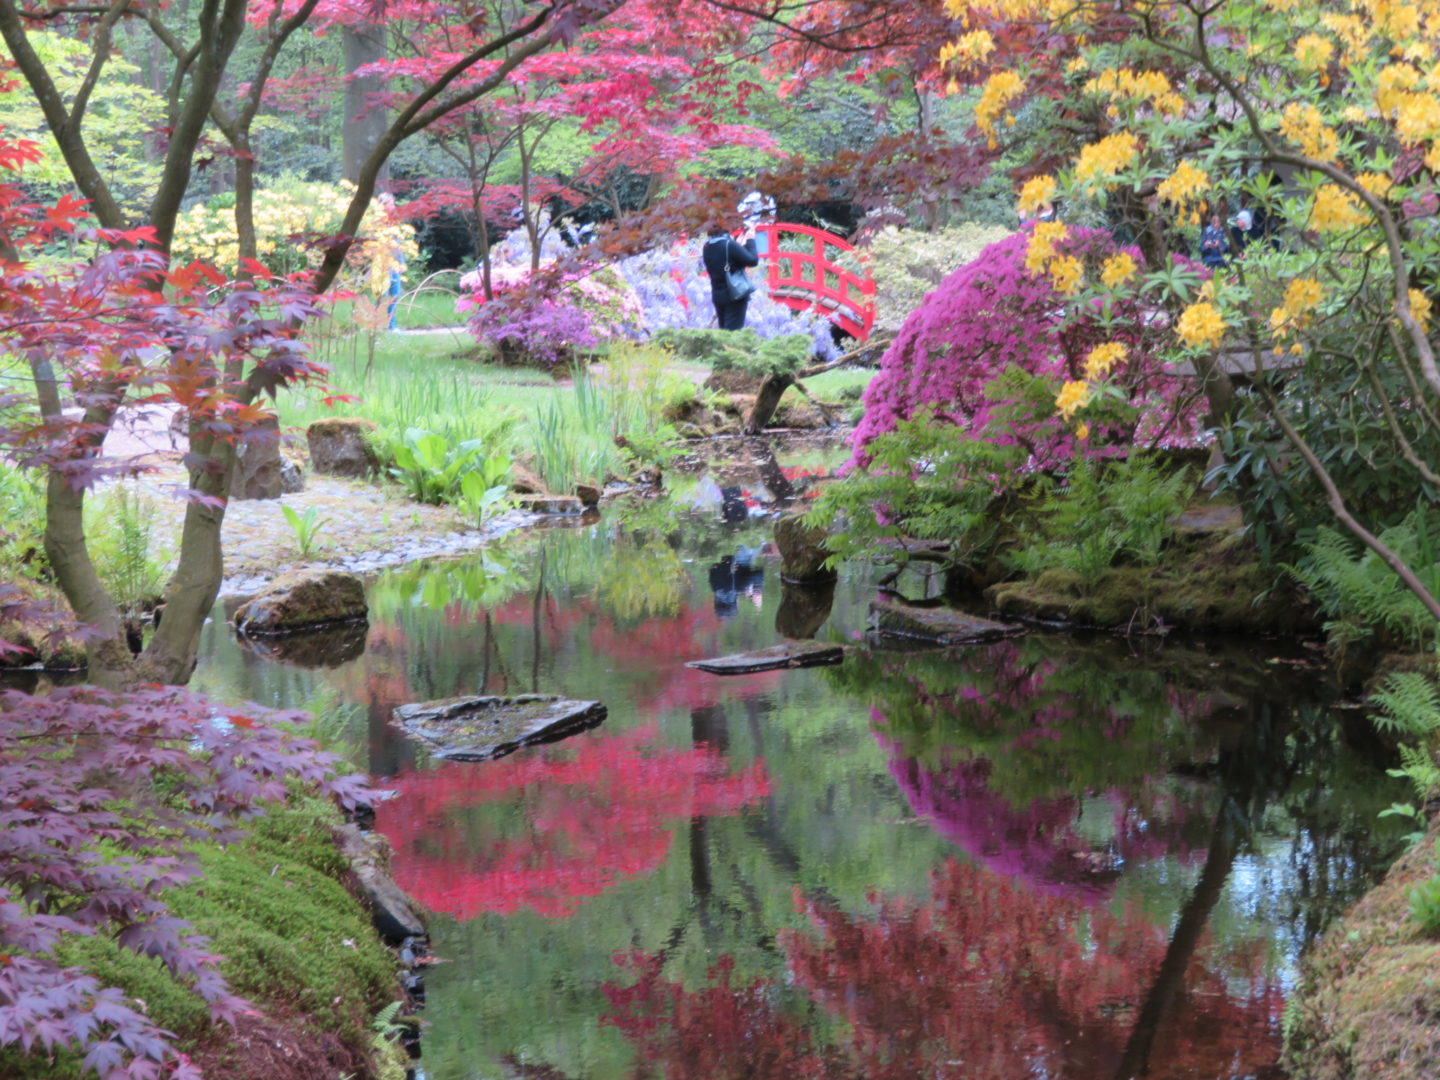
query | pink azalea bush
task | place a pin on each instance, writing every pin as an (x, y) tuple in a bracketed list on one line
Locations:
[(527, 316), (990, 348)]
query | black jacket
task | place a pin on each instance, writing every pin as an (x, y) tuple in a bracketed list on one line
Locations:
[(715, 254)]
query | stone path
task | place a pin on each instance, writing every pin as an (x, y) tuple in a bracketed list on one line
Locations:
[(368, 526)]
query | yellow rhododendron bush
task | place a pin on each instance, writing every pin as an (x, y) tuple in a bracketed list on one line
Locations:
[(1308, 132), (293, 222)]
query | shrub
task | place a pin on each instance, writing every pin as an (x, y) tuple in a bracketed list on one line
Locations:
[(908, 263), (991, 349), (289, 216), (103, 798), (740, 350)]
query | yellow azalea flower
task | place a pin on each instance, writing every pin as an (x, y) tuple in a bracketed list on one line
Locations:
[(999, 90), (1303, 295), (1041, 248), (1353, 114), (1037, 192), (1117, 269), (1103, 359), (969, 50), (1420, 308), (1183, 186), (1304, 125), (1417, 117), (1072, 397), (1171, 104), (1377, 184), (1083, 431), (1201, 324), (1077, 65), (1392, 83), (1353, 32), (1335, 208), (1313, 52), (1066, 272), (1104, 160)]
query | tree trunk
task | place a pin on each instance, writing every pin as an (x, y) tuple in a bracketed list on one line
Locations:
[(766, 402), (365, 125)]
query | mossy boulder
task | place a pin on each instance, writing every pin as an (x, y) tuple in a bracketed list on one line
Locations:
[(303, 599), (340, 446), (1368, 1001), (61, 653), (803, 551), (1221, 588)]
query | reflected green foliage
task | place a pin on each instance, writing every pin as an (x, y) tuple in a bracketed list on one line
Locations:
[(484, 580), (643, 578)]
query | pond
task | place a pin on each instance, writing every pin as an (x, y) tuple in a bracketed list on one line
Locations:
[(1059, 857)]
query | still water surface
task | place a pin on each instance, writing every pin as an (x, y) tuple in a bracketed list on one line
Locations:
[(1047, 858)]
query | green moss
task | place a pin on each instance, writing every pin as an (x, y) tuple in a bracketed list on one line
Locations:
[(1369, 993), (1219, 588), (295, 942)]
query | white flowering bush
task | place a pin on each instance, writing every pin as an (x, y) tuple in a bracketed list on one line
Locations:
[(908, 263)]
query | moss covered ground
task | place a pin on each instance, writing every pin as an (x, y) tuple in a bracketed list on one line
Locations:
[(1210, 582), (296, 944), (1368, 1005)]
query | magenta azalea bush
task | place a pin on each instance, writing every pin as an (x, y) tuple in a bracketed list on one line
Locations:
[(990, 349)]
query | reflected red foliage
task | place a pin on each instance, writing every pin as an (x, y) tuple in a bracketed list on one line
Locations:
[(987, 979), (596, 812)]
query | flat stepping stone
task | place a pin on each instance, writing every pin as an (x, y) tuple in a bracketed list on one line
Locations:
[(941, 626), (552, 504), (485, 728), (791, 654)]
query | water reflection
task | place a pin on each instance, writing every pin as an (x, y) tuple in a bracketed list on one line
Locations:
[(1047, 857)]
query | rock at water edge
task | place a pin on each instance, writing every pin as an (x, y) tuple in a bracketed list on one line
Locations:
[(485, 728), (791, 654), (301, 599), (802, 551), (942, 626), (395, 915)]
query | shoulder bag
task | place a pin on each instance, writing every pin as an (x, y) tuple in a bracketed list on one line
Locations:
[(737, 282)]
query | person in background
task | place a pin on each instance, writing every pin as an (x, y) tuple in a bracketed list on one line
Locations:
[(397, 258), (1214, 246), (758, 210), (1242, 231), (721, 254)]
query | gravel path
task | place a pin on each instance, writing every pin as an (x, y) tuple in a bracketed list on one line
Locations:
[(367, 526)]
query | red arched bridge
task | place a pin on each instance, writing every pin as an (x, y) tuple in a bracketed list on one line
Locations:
[(806, 276)]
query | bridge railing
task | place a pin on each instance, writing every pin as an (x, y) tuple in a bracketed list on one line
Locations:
[(811, 279)]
